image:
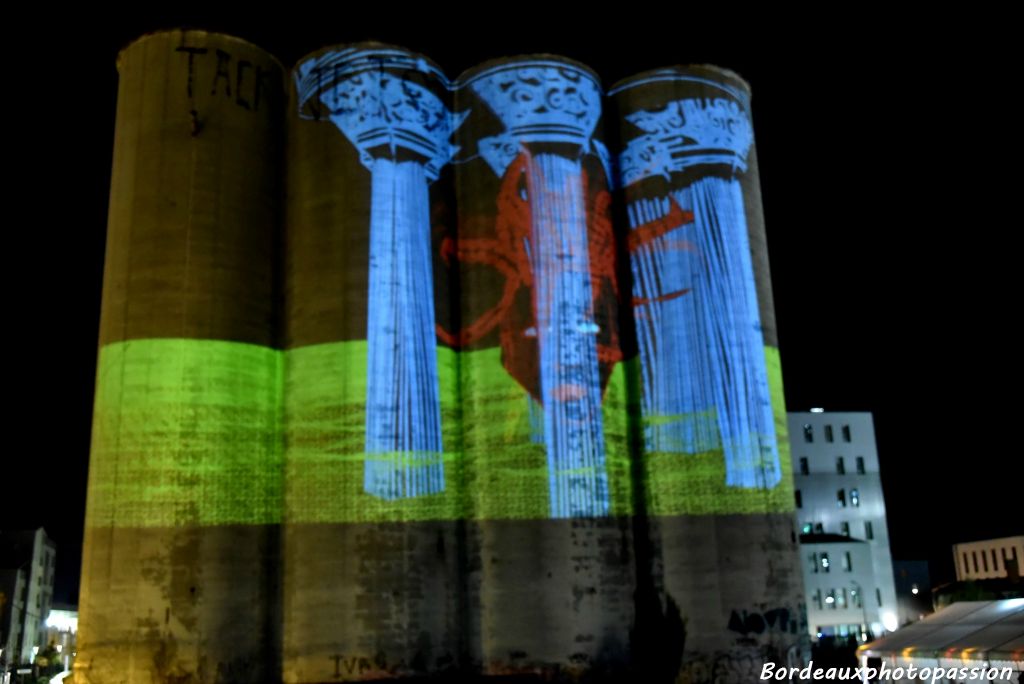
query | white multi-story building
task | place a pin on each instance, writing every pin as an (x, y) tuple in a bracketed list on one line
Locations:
[(989, 559), (29, 559), (840, 509)]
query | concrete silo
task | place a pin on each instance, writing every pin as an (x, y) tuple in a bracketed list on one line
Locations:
[(713, 449), (181, 557)]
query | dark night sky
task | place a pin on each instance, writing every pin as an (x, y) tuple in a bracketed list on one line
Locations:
[(887, 196)]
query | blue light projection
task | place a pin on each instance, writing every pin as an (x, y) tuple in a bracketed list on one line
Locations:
[(705, 381), (401, 129), (550, 111)]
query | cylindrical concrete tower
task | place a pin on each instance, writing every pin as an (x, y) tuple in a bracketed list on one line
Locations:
[(716, 475), (181, 558), (542, 386), (375, 523)]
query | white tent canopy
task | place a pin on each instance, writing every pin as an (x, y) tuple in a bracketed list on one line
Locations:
[(991, 631)]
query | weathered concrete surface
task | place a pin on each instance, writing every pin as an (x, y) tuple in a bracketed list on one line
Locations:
[(198, 604), (556, 596), (735, 581), (375, 600)]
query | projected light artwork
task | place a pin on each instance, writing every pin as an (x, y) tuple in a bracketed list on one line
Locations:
[(402, 131), (408, 376), (705, 383), (544, 107)]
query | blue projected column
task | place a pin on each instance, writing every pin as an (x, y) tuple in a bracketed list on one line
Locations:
[(401, 128), (705, 381), (550, 111)]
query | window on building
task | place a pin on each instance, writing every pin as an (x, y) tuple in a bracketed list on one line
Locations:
[(840, 466), (869, 531), (819, 528), (828, 433), (995, 561), (807, 528), (974, 557), (808, 433), (860, 466), (799, 499), (967, 567), (984, 561), (855, 497), (830, 599), (847, 562), (855, 598), (814, 562), (846, 433), (841, 498), (825, 563), (844, 528), (804, 468), (878, 595), (817, 599), (841, 597)]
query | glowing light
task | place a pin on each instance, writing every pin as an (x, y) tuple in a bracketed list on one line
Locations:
[(890, 622), (558, 246), (817, 410), (387, 117), (705, 384), (197, 409)]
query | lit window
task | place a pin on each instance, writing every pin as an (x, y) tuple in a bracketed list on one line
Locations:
[(806, 529), (804, 468), (828, 433), (840, 466), (846, 433), (855, 497), (808, 433), (825, 563), (869, 531), (799, 499), (860, 465), (855, 598), (830, 598), (841, 598), (841, 498)]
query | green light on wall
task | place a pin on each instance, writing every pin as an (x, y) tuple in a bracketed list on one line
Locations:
[(193, 432), (186, 432)]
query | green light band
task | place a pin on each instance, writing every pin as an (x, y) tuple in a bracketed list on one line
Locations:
[(186, 432), (192, 432)]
